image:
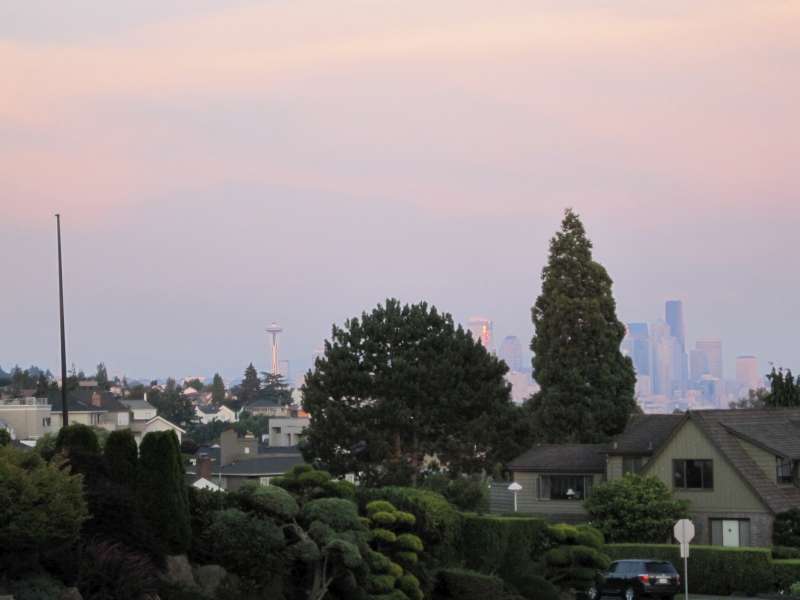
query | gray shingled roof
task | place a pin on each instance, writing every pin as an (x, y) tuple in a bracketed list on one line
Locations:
[(644, 434), (717, 424), (562, 458), (779, 436)]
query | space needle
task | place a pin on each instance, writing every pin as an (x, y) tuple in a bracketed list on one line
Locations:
[(274, 329)]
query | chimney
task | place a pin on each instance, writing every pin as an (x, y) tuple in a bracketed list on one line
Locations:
[(97, 401), (204, 466)]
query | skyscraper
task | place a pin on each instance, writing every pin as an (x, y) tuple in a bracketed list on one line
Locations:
[(511, 353), (481, 329), (662, 368), (638, 341), (747, 375), (673, 314), (713, 351), (698, 365)]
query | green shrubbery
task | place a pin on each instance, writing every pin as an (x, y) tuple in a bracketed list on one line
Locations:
[(712, 569), (463, 584), (576, 558), (786, 573), (786, 529)]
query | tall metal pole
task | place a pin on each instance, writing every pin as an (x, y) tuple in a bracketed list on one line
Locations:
[(64, 409)]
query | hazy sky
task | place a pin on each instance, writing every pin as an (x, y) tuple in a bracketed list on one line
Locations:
[(222, 165)]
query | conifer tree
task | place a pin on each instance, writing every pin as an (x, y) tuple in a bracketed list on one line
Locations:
[(217, 390), (251, 385), (586, 384)]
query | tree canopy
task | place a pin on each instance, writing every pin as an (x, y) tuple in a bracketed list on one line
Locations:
[(250, 386), (274, 389), (217, 390), (587, 385), (784, 389), (400, 383)]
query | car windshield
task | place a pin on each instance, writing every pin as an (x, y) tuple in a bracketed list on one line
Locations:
[(659, 568)]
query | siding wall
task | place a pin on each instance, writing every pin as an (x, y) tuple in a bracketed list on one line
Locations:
[(501, 500), (614, 468), (762, 458)]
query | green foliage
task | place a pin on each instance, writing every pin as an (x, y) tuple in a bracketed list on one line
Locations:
[(794, 590), (400, 383), (587, 384), (244, 543), (635, 509), (437, 523), (337, 513), (266, 501), (5, 438), (207, 433), (784, 389), (274, 389), (41, 505), (462, 584), (306, 483), (122, 457), (383, 536), (171, 404), (77, 439), (507, 546), (163, 494), (217, 390), (251, 384), (46, 446), (712, 569), (785, 552), (469, 494), (786, 575), (102, 377), (408, 542), (536, 587), (577, 559), (409, 585), (786, 529)]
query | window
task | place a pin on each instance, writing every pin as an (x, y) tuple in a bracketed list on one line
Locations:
[(693, 474), (264, 480), (784, 468), (558, 487), (632, 464)]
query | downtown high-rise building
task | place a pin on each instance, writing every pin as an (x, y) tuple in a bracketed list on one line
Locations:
[(481, 329), (747, 374), (511, 352), (663, 368), (637, 343), (713, 352), (673, 315)]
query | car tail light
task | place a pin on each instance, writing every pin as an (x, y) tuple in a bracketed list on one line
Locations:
[(644, 579)]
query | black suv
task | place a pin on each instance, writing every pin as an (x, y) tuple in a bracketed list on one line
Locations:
[(634, 578)]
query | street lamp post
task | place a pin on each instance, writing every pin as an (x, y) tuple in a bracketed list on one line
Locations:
[(514, 488)]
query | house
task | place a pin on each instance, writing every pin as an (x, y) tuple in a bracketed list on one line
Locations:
[(26, 418), (737, 469), (141, 410), (115, 415), (141, 428), (207, 414), (239, 460), (286, 431), (79, 410), (268, 408)]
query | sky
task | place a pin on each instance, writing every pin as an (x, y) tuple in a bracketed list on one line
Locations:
[(219, 166)]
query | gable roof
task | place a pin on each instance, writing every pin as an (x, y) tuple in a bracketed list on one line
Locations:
[(562, 458), (717, 426), (644, 434), (780, 436), (74, 403), (274, 463), (141, 425), (137, 404)]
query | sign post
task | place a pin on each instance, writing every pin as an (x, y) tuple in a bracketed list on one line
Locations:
[(515, 487), (684, 533)]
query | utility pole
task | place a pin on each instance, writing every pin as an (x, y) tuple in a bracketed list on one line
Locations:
[(64, 409)]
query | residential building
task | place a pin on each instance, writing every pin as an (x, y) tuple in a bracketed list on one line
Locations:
[(286, 431), (207, 414), (141, 410), (736, 468), (26, 418), (79, 410), (268, 408)]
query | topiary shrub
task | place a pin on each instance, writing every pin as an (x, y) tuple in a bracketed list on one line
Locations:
[(162, 491), (268, 501), (576, 561), (338, 514), (786, 529), (463, 584), (306, 483), (77, 438), (536, 587)]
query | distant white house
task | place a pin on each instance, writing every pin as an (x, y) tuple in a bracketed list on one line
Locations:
[(142, 428), (142, 410), (204, 484), (208, 414)]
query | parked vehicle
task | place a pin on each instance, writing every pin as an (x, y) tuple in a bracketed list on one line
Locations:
[(632, 579)]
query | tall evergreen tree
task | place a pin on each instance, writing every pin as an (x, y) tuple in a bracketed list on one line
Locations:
[(102, 377), (587, 385), (784, 389), (274, 389), (217, 390), (251, 385)]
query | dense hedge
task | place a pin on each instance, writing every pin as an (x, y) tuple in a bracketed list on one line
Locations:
[(712, 569), (786, 573), (463, 584), (508, 546)]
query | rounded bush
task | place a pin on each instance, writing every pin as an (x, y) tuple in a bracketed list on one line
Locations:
[(383, 535), (340, 514), (77, 438), (267, 500), (383, 519), (318, 478), (409, 585), (407, 558), (535, 587), (380, 584), (589, 536), (409, 542), (378, 506), (377, 562), (557, 557), (395, 570), (405, 519)]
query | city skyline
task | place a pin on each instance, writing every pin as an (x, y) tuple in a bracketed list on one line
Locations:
[(220, 166)]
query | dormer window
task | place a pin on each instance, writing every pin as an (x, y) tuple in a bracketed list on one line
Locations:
[(784, 468)]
